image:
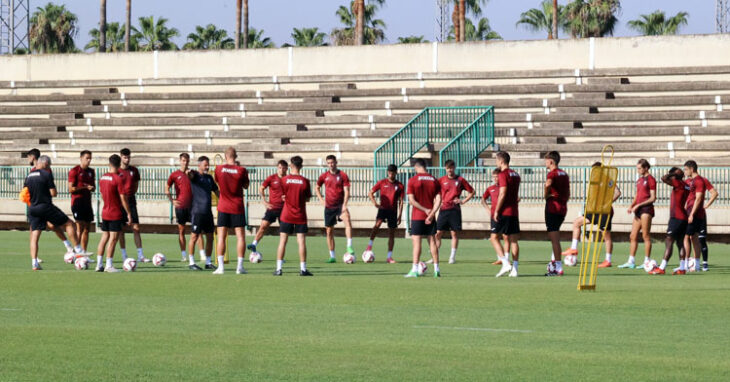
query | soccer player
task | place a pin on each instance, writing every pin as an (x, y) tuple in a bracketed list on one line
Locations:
[(182, 202), (337, 191), (557, 194), (696, 219), (603, 223), (274, 204), (114, 215), (703, 236), (390, 208), (130, 178), (232, 180), (643, 210), (677, 221), (506, 215), (424, 195), (449, 219), (202, 185), (81, 183), (492, 194), (296, 191), (42, 189)]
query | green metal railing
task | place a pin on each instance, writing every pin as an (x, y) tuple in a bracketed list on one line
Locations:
[(472, 141)]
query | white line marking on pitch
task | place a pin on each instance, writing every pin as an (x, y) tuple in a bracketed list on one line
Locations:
[(472, 329), (9, 310)]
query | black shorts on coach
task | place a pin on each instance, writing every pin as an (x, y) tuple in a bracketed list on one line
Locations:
[(112, 225), (390, 216), (677, 229), (182, 215), (507, 225), (40, 214), (202, 223), (231, 220), (449, 220), (82, 212), (290, 229), (332, 216), (420, 228), (272, 216)]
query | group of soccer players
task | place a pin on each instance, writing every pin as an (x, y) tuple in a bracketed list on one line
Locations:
[(436, 210)]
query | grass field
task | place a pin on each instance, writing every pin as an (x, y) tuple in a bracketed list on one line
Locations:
[(357, 322)]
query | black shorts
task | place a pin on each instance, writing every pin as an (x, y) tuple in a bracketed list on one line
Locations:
[(449, 220), (112, 225), (644, 210), (332, 216), (133, 211), (677, 229), (182, 215), (202, 223), (507, 225), (82, 212), (553, 221), (420, 228), (698, 226), (601, 221), (272, 216), (39, 215), (390, 216), (231, 220), (290, 228)]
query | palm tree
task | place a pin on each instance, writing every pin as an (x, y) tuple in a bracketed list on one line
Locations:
[(481, 32), (373, 31), (256, 39), (115, 41), (308, 37), (246, 32), (155, 35), (209, 38), (411, 40), (458, 17), (656, 23), (360, 18), (102, 27), (52, 29), (128, 27), (541, 19), (592, 18)]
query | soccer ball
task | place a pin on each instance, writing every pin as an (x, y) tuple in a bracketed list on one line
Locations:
[(422, 268), (368, 256), (691, 263), (81, 264), (255, 257), (69, 258), (348, 258), (551, 268), (570, 260), (649, 265), (159, 260), (130, 265)]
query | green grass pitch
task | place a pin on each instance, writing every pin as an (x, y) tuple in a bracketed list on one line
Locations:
[(357, 322)]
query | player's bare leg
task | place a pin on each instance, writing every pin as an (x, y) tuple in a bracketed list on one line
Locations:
[(496, 240), (634, 245), (280, 251), (697, 246), (221, 248), (348, 231), (454, 246), (416, 240), (182, 244), (515, 249), (557, 251), (646, 235), (391, 244), (330, 231), (240, 249), (265, 224), (434, 255), (61, 236), (302, 242), (82, 233), (138, 243), (34, 236)]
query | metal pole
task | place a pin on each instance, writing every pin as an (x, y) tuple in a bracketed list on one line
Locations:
[(11, 24)]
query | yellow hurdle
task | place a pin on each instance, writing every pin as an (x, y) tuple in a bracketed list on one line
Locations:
[(599, 201), (218, 160)]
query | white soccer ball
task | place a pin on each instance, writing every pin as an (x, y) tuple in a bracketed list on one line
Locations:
[(82, 263), (368, 256), (649, 265), (570, 260), (551, 268), (691, 263), (159, 260), (130, 265), (348, 258), (422, 268), (69, 258), (255, 257)]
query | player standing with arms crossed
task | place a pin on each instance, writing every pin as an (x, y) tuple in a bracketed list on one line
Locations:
[(182, 202), (677, 221), (130, 176), (390, 208), (232, 180), (557, 194), (114, 215), (506, 215), (643, 210), (296, 191), (424, 195), (202, 185), (449, 218), (696, 218), (337, 190), (275, 203), (81, 183)]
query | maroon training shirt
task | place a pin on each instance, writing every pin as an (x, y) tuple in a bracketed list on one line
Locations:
[(424, 188), (391, 193), (334, 187), (81, 178), (451, 189), (680, 191), (510, 179), (297, 191), (231, 179), (183, 190), (559, 192), (273, 183), (112, 188)]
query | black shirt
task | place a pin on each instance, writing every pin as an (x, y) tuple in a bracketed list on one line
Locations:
[(202, 185), (40, 183)]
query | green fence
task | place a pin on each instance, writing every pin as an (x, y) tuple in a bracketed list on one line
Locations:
[(472, 141)]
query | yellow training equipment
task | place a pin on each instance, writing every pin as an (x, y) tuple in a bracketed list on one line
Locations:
[(599, 201)]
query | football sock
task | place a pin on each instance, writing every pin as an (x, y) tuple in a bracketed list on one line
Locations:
[(78, 249), (646, 259), (414, 268), (703, 246), (558, 266), (99, 259), (632, 259), (184, 254), (34, 262), (220, 262), (68, 245), (504, 260), (191, 260), (453, 252), (208, 260), (552, 256), (515, 263), (124, 253), (608, 257), (370, 244), (663, 265), (109, 263), (240, 263), (349, 242), (332, 254), (279, 263), (390, 254), (302, 266), (682, 265), (436, 268), (140, 254), (254, 243), (574, 244), (202, 253)]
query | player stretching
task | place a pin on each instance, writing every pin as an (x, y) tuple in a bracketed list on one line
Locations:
[(643, 210), (703, 235), (424, 195), (390, 208), (275, 203), (677, 221), (114, 215), (42, 189), (202, 185), (130, 178), (492, 194), (232, 180), (604, 224), (297, 191), (696, 219), (450, 214), (506, 215), (337, 191), (557, 194), (81, 183), (182, 202)]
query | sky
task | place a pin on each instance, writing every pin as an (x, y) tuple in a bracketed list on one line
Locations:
[(402, 17)]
